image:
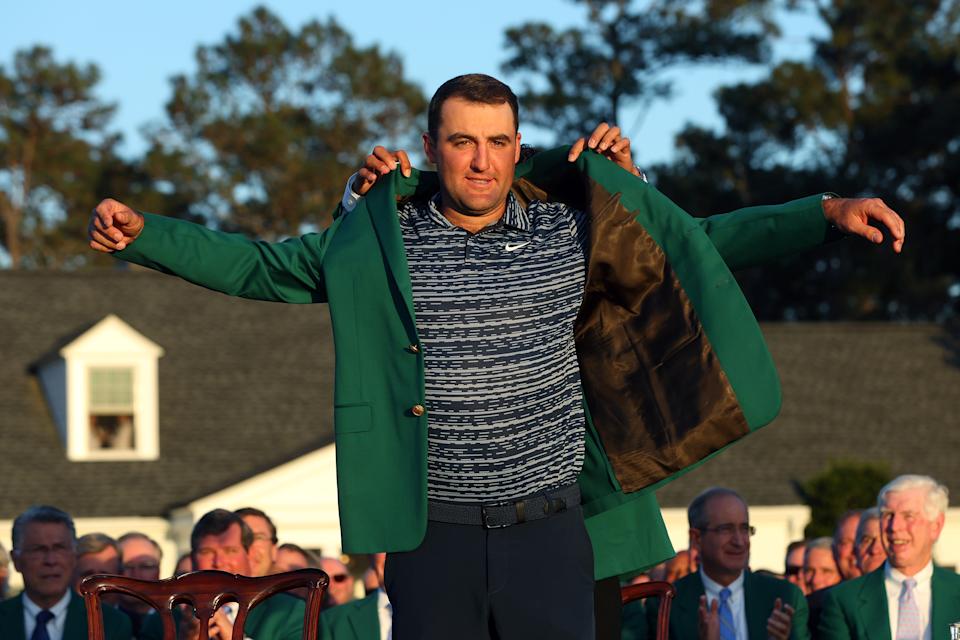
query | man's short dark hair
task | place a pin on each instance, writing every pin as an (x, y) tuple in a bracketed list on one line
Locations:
[(472, 87), (215, 522), (257, 513), (137, 535), (309, 557), (95, 543), (41, 513), (697, 511)]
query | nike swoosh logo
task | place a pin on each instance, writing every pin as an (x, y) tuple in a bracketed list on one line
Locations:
[(513, 246)]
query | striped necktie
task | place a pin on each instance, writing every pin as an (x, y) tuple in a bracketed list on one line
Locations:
[(727, 630), (908, 621), (40, 631)]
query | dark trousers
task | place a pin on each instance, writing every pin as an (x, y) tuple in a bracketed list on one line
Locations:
[(529, 580)]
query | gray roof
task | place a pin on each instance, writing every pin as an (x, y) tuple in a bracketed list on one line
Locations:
[(244, 386), (851, 391)]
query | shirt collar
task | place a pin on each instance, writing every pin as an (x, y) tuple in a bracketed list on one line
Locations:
[(713, 588), (515, 216), (382, 600), (922, 577), (57, 610)]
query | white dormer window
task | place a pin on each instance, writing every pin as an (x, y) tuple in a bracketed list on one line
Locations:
[(103, 393)]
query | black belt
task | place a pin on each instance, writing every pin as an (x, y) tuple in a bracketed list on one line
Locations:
[(493, 516)]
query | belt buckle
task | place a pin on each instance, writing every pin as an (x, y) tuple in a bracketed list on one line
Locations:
[(486, 516)]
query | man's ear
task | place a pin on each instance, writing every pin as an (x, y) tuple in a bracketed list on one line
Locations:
[(516, 158), (430, 150)]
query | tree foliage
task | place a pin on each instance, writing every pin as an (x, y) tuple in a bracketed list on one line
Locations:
[(842, 486), (583, 75), (872, 112), (262, 137), (55, 151)]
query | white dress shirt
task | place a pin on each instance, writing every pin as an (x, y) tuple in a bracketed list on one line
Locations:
[(735, 602), (56, 623), (922, 593), (385, 615)]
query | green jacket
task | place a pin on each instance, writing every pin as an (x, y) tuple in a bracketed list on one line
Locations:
[(116, 626), (858, 608), (759, 594), (673, 364), (279, 617), (356, 620)]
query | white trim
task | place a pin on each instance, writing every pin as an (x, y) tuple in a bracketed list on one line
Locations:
[(112, 343)]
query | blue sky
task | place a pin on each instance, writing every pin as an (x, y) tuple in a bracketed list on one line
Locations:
[(140, 45)]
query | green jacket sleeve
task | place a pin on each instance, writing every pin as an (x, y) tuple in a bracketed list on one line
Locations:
[(800, 626), (756, 235), (288, 271)]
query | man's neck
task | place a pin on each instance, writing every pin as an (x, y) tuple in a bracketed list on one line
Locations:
[(722, 578), (471, 223), (47, 602)]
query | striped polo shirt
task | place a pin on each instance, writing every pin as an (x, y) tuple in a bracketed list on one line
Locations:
[(495, 313)]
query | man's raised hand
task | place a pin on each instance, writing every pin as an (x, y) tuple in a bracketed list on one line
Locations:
[(113, 225), (780, 621), (607, 141), (380, 162), (708, 619), (853, 216)]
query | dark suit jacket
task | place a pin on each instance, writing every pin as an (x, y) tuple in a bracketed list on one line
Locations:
[(357, 620), (759, 594), (116, 626), (858, 608)]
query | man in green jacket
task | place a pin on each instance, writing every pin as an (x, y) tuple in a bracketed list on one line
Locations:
[(574, 338), (907, 597), (44, 552), (724, 593)]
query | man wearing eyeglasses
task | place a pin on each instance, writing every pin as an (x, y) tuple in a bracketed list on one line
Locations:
[(140, 557), (723, 599), (221, 540), (45, 554), (264, 540), (340, 590)]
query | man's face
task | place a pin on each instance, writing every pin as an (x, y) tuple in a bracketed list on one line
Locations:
[(223, 552), (725, 546), (820, 569), (263, 552), (869, 548), (794, 568), (106, 561), (140, 559), (476, 151), (908, 536), (341, 582), (289, 560), (46, 558), (843, 540)]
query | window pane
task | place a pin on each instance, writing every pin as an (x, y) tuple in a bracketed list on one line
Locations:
[(111, 432), (111, 389)]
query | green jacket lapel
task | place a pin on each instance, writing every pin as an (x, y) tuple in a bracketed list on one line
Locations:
[(365, 619), (946, 602), (872, 606), (756, 608), (75, 626), (11, 619)]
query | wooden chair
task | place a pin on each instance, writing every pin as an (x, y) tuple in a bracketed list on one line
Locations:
[(662, 590), (205, 591)]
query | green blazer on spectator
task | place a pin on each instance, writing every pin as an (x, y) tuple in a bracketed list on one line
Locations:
[(759, 594), (858, 608), (356, 620), (673, 365), (279, 617), (116, 626)]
